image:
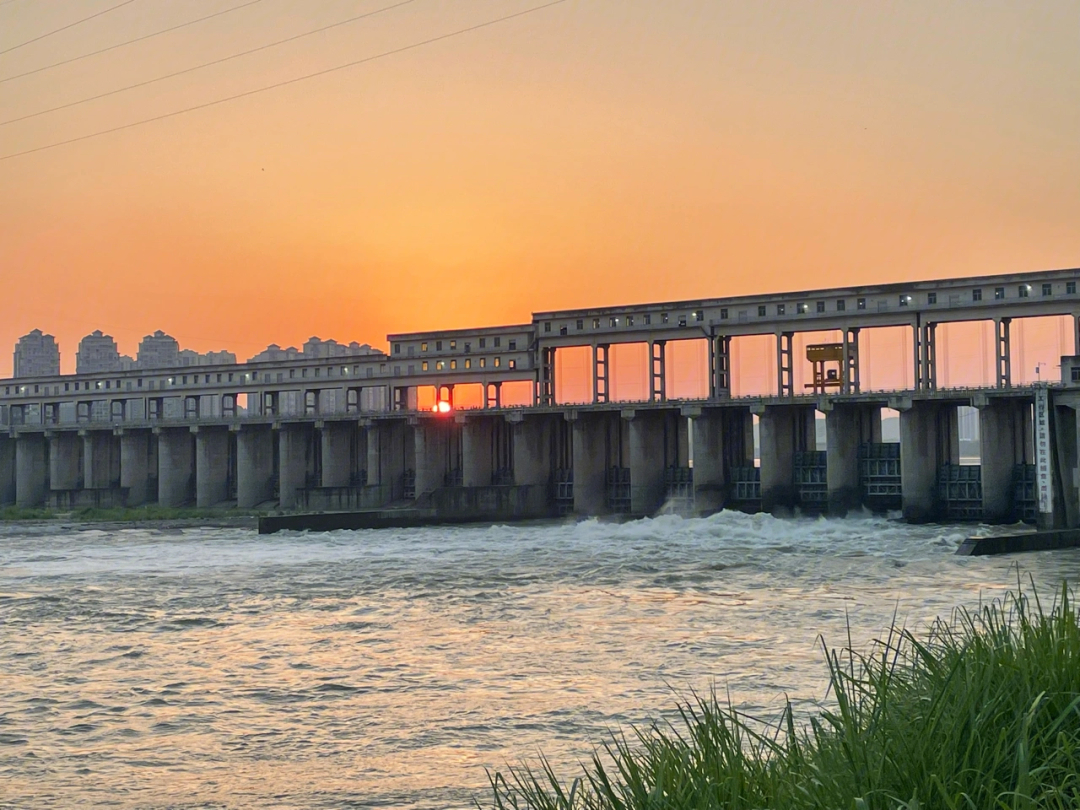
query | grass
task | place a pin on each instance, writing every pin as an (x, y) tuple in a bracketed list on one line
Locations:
[(123, 514), (982, 712), (23, 513)]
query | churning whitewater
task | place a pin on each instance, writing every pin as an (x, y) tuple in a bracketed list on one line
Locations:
[(216, 667)]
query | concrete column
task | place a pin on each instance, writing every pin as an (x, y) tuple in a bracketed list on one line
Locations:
[(847, 426), (294, 461), (176, 467), (254, 467), (390, 451), (590, 464), (7, 471), (432, 447), (532, 449), (657, 370), (783, 430), (1065, 473), (1003, 349), (134, 466), (101, 462), (65, 461), (928, 439), (1001, 446), (30, 470), (710, 475), (476, 451), (337, 438), (647, 461), (720, 364), (211, 467)]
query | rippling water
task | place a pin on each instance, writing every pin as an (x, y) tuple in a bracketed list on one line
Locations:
[(214, 667)]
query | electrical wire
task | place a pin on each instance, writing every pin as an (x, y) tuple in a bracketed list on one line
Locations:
[(204, 64), (66, 27), (325, 71), (128, 42)]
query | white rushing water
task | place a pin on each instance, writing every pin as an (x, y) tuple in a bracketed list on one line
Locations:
[(216, 667)]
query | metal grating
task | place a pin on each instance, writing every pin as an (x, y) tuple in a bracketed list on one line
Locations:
[(747, 481), (1025, 501), (679, 490), (811, 484), (960, 491), (502, 477), (564, 491), (879, 474), (618, 490)]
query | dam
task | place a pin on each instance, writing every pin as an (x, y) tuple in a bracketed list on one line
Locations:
[(345, 434)]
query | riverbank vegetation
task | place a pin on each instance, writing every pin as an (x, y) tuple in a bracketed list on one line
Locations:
[(980, 712), (124, 514)]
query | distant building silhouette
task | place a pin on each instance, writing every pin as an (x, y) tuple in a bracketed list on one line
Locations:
[(97, 352), (275, 352), (159, 351), (37, 355), (189, 357), (314, 348)]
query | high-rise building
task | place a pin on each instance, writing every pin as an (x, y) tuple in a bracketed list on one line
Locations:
[(275, 352), (37, 355), (189, 357), (159, 351), (97, 352), (316, 348)]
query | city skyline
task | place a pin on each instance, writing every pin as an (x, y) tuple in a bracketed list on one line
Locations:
[(582, 154)]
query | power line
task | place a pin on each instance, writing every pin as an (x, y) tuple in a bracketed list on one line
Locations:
[(66, 27), (128, 42), (276, 85), (204, 65)]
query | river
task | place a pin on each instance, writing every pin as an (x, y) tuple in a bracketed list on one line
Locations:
[(213, 667)]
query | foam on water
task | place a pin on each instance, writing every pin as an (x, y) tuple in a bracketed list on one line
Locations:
[(185, 668)]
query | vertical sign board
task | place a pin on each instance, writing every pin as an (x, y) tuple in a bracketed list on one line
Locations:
[(1044, 490)]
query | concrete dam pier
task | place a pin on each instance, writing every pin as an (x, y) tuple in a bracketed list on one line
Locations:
[(346, 434)]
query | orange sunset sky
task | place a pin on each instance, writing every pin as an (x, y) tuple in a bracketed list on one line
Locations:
[(592, 152)]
